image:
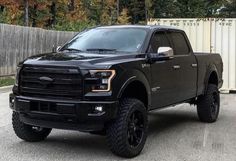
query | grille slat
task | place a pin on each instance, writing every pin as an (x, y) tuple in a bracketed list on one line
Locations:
[(56, 81), (51, 70), (62, 83)]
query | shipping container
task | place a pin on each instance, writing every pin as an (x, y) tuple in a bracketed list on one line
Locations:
[(214, 35)]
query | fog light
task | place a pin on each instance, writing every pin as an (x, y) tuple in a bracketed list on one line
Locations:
[(12, 102), (99, 108)]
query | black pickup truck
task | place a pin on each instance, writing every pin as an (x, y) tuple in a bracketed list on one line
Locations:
[(106, 79)]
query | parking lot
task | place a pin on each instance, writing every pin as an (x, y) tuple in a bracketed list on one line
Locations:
[(175, 134)]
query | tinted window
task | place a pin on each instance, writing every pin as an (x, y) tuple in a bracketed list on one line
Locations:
[(119, 39), (158, 40), (180, 44)]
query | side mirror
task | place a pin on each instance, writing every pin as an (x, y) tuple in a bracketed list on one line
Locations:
[(56, 48), (163, 54)]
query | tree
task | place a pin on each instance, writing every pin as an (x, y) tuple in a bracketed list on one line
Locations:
[(79, 14), (26, 12), (212, 7), (71, 16), (148, 9), (39, 12), (137, 11), (3, 16), (229, 9), (10, 11), (109, 12), (117, 8), (190, 8), (124, 18), (163, 8), (75, 11)]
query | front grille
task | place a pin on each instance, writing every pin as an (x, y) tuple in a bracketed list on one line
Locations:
[(51, 82)]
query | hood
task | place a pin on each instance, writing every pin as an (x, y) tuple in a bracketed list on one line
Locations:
[(82, 60)]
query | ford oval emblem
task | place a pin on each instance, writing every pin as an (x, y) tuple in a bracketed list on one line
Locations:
[(46, 80)]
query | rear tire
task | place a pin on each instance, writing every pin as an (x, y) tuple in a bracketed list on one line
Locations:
[(27, 132), (126, 136), (208, 105)]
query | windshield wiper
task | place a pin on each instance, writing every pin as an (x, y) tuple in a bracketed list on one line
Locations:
[(72, 49), (100, 50)]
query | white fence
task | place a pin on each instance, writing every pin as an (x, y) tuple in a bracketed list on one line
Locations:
[(210, 35)]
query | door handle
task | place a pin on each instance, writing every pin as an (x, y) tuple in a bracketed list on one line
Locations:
[(194, 65), (176, 67)]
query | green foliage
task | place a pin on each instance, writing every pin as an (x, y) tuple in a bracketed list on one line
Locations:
[(3, 17), (124, 18), (164, 8), (6, 81), (9, 13), (75, 15), (39, 13), (211, 7), (72, 26), (137, 10), (190, 8), (229, 9)]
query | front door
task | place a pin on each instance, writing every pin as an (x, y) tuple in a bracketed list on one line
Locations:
[(163, 87)]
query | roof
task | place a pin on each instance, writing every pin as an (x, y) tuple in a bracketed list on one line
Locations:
[(141, 26)]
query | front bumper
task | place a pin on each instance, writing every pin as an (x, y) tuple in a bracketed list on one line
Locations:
[(64, 114)]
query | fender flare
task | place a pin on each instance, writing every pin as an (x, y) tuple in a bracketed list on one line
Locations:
[(211, 68), (136, 76)]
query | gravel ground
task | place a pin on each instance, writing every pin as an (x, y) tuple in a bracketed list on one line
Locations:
[(175, 134)]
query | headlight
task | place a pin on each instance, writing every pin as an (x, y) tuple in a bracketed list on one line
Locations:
[(17, 75), (104, 80)]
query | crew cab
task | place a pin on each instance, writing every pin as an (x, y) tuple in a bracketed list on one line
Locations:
[(106, 80)]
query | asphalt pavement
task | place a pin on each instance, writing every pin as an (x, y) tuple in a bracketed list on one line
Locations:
[(175, 134)]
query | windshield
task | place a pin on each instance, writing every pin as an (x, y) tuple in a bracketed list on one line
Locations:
[(108, 39)]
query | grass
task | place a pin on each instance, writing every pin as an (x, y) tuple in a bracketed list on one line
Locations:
[(6, 81)]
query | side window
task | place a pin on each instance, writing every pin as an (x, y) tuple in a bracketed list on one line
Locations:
[(179, 43), (159, 39)]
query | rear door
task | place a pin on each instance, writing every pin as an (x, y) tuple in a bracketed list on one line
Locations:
[(184, 66)]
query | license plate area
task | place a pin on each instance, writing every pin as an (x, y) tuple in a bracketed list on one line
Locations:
[(55, 108)]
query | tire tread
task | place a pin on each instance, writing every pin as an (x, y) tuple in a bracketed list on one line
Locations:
[(25, 132), (115, 133), (204, 103)]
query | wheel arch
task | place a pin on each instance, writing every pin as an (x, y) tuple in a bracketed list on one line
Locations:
[(136, 86), (211, 77)]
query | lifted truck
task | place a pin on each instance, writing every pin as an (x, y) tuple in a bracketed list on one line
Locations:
[(106, 79)]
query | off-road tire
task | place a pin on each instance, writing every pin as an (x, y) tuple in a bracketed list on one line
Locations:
[(208, 105), (27, 132), (118, 136)]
